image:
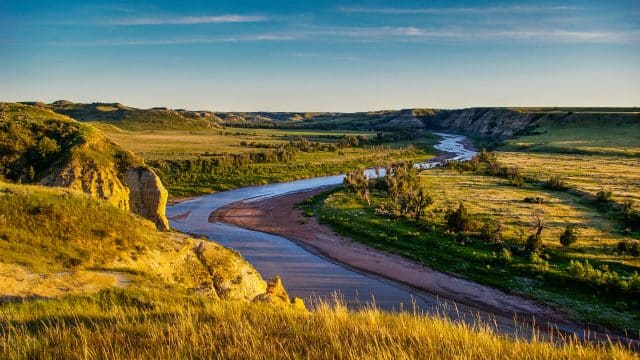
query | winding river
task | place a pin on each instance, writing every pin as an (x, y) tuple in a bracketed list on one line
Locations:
[(311, 276)]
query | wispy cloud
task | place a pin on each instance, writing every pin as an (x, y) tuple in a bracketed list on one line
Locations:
[(184, 20), (411, 33), (178, 41), (520, 9), (323, 56)]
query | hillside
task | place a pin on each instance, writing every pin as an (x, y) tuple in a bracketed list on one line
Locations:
[(489, 123), (40, 146), (130, 118), (49, 248)]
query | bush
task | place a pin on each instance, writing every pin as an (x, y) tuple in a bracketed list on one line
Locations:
[(569, 236), (534, 200), (556, 183), (458, 220), (604, 196), (491, 231), (630, 216), (631, 247), (534, 242)]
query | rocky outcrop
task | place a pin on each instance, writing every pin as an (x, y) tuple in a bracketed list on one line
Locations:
[(405, 120), (88, 177), (277, 294), (231, 276), (53, 150), (495, 123), (147, 195)]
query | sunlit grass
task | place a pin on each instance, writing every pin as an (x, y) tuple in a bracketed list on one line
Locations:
[(143, 325)]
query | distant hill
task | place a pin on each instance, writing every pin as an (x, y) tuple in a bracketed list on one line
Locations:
[(494, 123), (130, 118)]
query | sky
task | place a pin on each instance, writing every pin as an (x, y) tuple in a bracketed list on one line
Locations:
[(328, 55)]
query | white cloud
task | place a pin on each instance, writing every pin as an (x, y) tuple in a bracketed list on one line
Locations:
[(178, 41), (411, 33), (184, 20), (520, 9)]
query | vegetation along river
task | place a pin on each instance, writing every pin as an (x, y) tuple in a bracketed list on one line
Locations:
[(309, 275)]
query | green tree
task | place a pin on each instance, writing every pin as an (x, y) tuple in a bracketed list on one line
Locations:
[(458, 220), (569, 236)]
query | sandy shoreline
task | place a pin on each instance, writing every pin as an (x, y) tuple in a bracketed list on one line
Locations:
[(278, 216)]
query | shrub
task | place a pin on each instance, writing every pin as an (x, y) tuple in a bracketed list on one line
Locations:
[(631, 247), (569, 236), (458, 220), (534, 242), (630, 216), (491, 230), (505, 256), (534, 200), (556, 183), (604, 196)]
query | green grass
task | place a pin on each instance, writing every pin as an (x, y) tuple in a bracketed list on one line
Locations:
[(588, 133), (549, 282), (178, 155)]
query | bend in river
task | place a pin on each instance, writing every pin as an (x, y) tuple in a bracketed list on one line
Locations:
[(311, 276)]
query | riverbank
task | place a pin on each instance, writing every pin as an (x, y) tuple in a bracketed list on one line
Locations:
[(278, 216)]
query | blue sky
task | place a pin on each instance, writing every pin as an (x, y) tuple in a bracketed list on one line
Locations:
[(322, 55)]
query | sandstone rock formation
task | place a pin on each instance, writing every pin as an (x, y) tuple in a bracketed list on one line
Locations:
[(147, 195)]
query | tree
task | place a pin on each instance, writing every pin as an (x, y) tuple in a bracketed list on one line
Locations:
[(421, 201), (534, 241), (458, 220), (569, 236), (358, 183)]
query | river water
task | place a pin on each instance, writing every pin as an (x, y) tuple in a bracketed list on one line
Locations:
[(313, 277), (305, 274)]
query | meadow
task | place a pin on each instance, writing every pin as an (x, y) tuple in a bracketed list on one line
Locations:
[(192, 162), (595, 191)]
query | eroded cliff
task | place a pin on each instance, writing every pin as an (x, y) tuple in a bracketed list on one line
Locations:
[(43, 147)]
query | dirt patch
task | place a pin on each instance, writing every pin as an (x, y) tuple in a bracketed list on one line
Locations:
[(18, 283)]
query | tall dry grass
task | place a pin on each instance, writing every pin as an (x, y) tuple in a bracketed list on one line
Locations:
[(140, 325)]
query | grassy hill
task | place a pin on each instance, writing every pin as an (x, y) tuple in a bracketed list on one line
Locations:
[(130, 118)]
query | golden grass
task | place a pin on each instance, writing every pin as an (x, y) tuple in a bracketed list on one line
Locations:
[(178, 327), (591, 173), (490, 197), (177, 144)]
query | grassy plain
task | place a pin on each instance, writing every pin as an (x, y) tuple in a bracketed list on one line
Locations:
[(545, 278), (590, 173), (594, 133), (184, 144), (166, 150)]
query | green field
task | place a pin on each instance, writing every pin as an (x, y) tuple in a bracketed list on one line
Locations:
[(598, 167), (594, 133), (192, 162)]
